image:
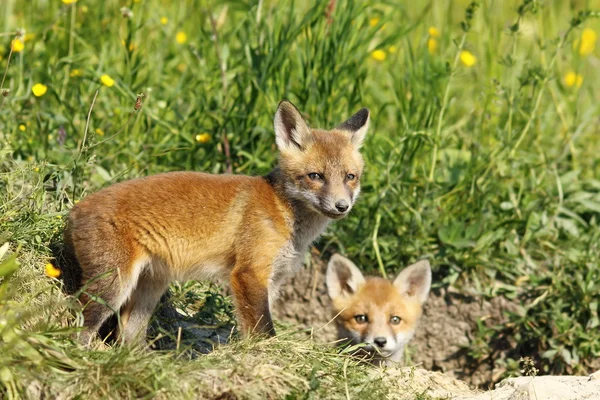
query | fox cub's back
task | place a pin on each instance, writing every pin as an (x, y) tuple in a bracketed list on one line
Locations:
[(179, 217)]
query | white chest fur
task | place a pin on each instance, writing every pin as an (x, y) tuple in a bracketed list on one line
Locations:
[(307, 229)]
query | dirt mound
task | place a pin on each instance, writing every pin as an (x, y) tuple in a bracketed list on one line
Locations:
[(442, 338), (542, 388), (405, 382)]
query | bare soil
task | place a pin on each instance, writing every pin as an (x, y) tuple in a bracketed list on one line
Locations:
[(441, 341)]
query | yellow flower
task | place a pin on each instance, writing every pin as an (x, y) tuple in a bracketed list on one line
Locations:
[(181, 37), (75, 73), (164, 20), (51, 270), (22, 127), (84, 9), (587, 43), (433, 32), (107, 80), (379, 55), (203, 138), (131, 45), (17, 45), (39, 89), (99, 132), (392, 49), (69, 1), (181, 67), (572, 79), (36, 169), (432, 45), (374, 21), (467, 58)]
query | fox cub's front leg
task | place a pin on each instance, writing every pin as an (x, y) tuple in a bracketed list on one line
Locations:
[(251, 295)]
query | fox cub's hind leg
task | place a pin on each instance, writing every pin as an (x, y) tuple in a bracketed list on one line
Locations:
[(100, 299), (104, 295), (136, 312), (250, 290)]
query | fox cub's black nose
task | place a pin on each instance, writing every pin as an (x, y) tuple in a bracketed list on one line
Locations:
[(342, 205), (380, 341)]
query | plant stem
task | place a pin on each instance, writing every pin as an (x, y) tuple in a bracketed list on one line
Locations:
[(443, 109), (71, 48), (511, 99), (538, 100), (10, 53), (376, 246), (226, 147), (81, 148)]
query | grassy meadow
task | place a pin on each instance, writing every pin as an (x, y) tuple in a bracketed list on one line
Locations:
[(482, 156)]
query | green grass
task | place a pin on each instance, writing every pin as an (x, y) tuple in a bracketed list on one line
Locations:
[(489, 170)]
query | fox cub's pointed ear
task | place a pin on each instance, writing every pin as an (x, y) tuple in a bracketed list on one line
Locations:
[(415, 281), (291, 131), (343, 277), (357, 125)]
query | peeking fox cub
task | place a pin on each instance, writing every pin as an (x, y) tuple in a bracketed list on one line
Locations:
[(130, 240), (374, 311)]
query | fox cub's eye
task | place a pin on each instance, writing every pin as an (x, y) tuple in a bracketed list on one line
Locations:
[(361, 319), (350, 177), (395, 320), (315, 176)]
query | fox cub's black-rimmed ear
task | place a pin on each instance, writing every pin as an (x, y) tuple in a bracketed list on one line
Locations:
[(357, 125), (291, 131), (342, 277), (415, 281)]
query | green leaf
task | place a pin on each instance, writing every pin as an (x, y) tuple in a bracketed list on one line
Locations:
[(9, 265), (590, 205)]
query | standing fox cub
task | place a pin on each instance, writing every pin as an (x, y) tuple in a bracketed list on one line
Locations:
[(131, 239), (374, 311)]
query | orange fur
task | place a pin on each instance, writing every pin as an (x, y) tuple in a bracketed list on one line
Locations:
[(131, 239)]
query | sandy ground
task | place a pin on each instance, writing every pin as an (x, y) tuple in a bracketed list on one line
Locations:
[(438, 385)]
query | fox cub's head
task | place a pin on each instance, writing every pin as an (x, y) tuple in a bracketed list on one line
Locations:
[(374, 311), (323, 168)]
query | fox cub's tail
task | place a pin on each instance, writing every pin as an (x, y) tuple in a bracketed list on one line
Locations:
[(65, 261)]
